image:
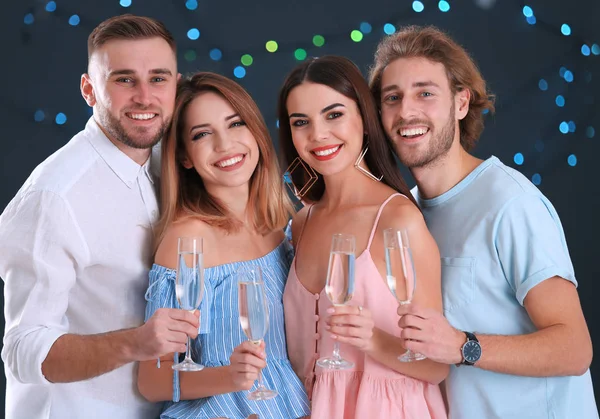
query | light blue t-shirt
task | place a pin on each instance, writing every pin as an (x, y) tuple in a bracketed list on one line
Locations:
[(499, 237)]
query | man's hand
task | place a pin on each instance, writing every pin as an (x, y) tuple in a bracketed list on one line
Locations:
[(427, 332)]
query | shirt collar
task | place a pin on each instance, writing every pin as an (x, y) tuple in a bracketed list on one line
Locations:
[(122, 165)]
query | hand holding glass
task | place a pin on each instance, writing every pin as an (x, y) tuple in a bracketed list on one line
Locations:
[(401, 277), (189, 288), (254, 317), (339, 288)]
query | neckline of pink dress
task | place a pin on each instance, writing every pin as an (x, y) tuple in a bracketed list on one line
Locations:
[(365, 252)]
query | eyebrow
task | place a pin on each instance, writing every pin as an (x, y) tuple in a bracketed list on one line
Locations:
[(325, 109), (416, 84), (128, 72), (227, 118)]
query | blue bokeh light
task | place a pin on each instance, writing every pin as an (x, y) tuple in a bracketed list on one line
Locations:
[(527, 11), (543, 85), (365, 27), (531, 20), (539, 145), (277, 123), (239, 72), (389, 29), (28, 19), (444, 6), (215, 54), (125, 3), (418, 6), (191, 4), (193, 34), (61, 118), (568, 76), (596, 49), (39, 115), (51, 6), (560, 101), (565, 29), (536, 179), (590, 132), (563, 127), (74, 20), (585, 50), (562, 71), (485, 111), (572, 126), (572, 160), (519, 159)]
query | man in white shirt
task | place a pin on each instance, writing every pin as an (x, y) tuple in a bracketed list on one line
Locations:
[(76, 243)]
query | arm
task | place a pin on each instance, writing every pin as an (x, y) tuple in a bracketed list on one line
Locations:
[(533, 253), (156, 384), (561, 345), (383, 346), (42, 249)]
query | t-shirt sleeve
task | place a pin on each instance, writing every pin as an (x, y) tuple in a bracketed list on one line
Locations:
[(531, 244)]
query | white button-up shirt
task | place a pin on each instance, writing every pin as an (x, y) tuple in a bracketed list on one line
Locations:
[(75, 250)]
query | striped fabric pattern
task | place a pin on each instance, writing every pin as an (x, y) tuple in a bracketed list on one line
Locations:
[(220, 333)]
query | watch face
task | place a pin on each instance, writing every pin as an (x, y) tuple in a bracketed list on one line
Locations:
[(471, 351)]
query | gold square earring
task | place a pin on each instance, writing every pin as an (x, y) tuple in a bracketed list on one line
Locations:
[(287, 177), (362, 169)]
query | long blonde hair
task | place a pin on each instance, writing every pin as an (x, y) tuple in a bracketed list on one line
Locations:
[(183, 193)]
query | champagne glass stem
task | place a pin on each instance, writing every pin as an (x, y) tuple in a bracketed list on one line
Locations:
[(188, 351), (336, 351)]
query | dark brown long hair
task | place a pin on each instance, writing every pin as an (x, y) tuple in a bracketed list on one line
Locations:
[(183, 193), (342, 75), (431, 43)]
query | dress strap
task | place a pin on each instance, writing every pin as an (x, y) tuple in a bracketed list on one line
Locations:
[(381, 207), (303, 227)]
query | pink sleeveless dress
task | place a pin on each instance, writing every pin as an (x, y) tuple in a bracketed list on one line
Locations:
[(369, 390)]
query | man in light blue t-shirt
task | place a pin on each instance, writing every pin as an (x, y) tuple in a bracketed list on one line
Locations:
[(513, 332)]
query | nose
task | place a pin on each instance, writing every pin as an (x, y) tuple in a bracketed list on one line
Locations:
[(407, 108), (222, 142), (319, 132), (142, 96)]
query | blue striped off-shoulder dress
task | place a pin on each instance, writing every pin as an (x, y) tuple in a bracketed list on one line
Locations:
[(220, 333)]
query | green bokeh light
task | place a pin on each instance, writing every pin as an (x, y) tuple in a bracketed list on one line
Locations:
[(271, 46), (300, 54), (190, 55), (318, 40), (356, 35), (247, 60)]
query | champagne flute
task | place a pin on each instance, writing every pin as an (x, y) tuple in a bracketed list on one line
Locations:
[(339, 289), (254, 317), (189, 288), (401, 277)]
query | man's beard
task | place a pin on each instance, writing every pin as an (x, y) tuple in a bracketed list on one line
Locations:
[(436, 149), (116, 130)]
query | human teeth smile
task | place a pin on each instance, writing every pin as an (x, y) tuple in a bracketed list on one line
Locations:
[(229, 162), (141, 116), (327, 152), (412, 132)]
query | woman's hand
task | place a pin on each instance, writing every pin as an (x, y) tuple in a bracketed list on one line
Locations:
[(246, 362), (352, 325)]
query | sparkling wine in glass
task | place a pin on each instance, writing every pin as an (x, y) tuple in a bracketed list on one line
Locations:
[(339, 288), (254, 317), (401, 278), (189, 288)]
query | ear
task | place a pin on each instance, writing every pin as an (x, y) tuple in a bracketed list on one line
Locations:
[(186, 162), (87, 90), (178, 76), (462, 99)]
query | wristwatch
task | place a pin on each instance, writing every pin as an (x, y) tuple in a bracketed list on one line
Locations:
[(471, 350)]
